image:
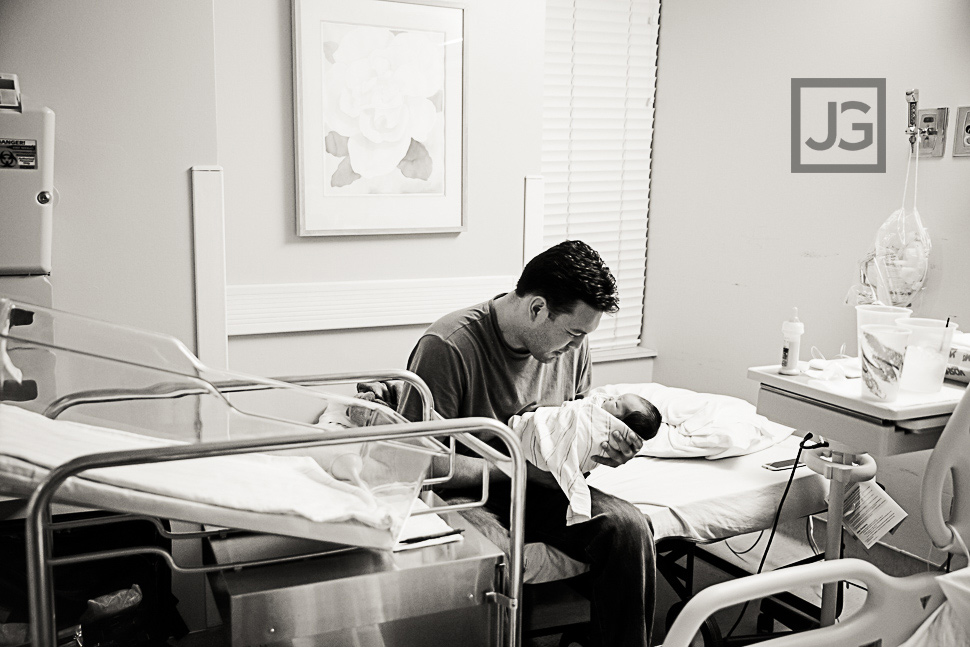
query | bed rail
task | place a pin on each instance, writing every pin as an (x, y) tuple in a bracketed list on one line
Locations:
[(40, 563), (893, 609), (180, 389)]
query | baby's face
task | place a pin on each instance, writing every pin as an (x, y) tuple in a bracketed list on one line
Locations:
[(622, 405)]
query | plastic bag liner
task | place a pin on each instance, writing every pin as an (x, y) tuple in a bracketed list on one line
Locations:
[(894, 271)]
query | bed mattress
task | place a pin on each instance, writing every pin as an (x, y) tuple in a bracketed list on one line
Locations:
[(694, 499), (706, 500)]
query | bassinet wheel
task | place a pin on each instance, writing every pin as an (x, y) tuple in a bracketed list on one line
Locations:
[(709, 635)]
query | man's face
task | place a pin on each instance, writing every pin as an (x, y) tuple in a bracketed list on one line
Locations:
[(550, 337)]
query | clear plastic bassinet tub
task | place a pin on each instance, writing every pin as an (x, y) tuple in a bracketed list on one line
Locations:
[(71, 386)]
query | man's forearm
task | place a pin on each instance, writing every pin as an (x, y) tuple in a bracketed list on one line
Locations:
[(468, 472)]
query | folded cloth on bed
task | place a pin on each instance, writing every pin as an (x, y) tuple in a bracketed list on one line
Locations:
[(31, 444), (701, 424), (563, 440)]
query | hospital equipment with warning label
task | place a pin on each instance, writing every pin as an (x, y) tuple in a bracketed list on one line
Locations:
[(26, 193)]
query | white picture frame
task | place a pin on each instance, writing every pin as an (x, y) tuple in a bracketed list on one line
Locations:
[(378, 117)]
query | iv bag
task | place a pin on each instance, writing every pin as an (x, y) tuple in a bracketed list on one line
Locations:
[(894, 271)]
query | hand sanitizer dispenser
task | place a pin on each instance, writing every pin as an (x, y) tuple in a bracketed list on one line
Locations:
[(26, 194)]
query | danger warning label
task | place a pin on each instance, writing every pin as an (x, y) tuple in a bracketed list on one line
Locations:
[(18, 154)]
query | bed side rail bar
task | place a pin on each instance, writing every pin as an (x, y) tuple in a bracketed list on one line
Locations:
[(39, 567), (382, 375), (894, 606), (167, 390)]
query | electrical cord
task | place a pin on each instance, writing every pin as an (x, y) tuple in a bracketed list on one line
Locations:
[(774, 524), (746, 550), (810, 534)]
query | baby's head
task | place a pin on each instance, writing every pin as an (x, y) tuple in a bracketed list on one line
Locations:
[(637, 413)]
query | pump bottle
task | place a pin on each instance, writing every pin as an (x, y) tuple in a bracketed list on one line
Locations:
[(791, 331)]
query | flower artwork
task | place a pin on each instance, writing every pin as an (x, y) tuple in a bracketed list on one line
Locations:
[(378, 117), (382, 110)]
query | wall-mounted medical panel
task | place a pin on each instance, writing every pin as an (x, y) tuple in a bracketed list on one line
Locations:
[(961, 133), (26, 182), (932, 121)]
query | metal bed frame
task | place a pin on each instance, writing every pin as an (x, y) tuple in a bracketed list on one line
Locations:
[(39, 517)]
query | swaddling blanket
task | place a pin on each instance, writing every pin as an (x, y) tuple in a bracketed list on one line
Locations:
[(563, 440), (31, 444), (701, 424)]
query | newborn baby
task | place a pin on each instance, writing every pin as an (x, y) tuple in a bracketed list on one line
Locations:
[(563, 440)]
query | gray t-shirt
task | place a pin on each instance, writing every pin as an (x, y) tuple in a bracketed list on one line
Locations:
[(472, 371)]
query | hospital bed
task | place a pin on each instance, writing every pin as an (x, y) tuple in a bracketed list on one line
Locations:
[(105, 417), (693, 504), (911, 610)]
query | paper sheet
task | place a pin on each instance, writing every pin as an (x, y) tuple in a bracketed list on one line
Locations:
[(425, 530), (870, 512)]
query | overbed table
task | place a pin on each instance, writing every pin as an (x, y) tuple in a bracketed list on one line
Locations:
[(854, 426)]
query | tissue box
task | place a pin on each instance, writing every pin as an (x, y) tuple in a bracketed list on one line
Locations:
[(958, 366)]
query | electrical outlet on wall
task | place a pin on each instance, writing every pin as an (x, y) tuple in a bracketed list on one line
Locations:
[(961, 133)]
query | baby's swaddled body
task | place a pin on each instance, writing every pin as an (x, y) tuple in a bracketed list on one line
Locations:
[(563, 440)]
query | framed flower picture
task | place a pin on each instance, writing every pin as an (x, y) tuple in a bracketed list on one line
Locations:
[(378, 117)]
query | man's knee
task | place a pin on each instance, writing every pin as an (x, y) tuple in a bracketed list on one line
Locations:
[(630, 520), (624, 526)]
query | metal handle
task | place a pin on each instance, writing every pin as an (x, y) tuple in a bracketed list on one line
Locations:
[(862, 467)]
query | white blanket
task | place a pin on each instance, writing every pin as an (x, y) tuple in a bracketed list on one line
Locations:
[(563, 440), (31, 444), (701, 424)]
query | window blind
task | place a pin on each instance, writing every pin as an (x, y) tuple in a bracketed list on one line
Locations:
[(600, 78)]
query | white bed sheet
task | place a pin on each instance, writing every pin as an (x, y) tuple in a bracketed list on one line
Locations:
[(280, 495), (706, 500)]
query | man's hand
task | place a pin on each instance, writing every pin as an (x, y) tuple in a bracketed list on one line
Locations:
[(619, 448)]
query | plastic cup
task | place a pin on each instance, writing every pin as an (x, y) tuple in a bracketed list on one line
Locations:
[(927, 353), (883, 349), (876, 314)]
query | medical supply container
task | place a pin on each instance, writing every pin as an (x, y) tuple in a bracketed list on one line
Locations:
[(791, 332)]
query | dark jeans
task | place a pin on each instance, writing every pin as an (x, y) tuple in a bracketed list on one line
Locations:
[(617, 543)]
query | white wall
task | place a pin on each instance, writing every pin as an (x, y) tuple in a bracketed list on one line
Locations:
[(132, 89), (736, 239), (503, 50), (144, 91)]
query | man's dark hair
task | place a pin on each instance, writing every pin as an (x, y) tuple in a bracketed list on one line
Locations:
[(569, 272), (646, 423)]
